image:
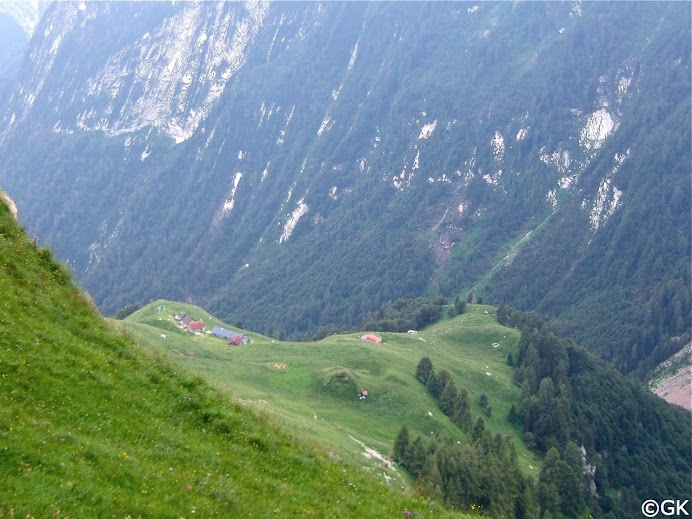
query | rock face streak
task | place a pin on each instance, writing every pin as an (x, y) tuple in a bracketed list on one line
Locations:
[(167, 77), (205, 146)]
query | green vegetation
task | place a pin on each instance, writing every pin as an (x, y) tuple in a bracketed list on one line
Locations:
[(605, 442), (531, 72), (481, 474), (609, 444), (407, 314), (478, 415), (92, 425), (312, 387)]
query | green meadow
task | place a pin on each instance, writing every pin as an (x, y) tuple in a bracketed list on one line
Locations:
[(311, 388), (94, 424)]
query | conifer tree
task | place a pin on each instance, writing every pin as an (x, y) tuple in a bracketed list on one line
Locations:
[(448, 398), (478, 430), (512, 416), (401, 444), (462, 411), (424, 370), (415, 457)]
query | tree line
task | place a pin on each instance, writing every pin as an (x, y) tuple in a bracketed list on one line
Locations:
[(480, 474), (606, 444)]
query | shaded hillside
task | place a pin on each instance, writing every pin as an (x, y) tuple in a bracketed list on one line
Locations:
[(93, 426), (296, 165), (624, 444)]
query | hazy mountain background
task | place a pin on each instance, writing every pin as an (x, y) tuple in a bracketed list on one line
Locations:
[(293, 165)]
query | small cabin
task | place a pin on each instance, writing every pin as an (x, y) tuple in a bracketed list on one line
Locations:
[(195, 326)]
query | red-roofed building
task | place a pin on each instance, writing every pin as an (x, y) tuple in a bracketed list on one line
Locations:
[(237, 340), (195, 326), (371, 338)]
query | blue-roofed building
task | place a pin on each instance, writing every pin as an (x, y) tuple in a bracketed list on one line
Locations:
[(231, 336), (217, 331)]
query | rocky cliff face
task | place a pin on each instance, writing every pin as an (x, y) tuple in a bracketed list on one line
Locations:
[(299, 164)]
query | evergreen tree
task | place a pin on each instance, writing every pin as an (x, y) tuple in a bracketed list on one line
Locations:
[(415, 457), (525, 505), (502, 315), (512, 415), (401, 444), (424, 370), (448, 398), (478, 430), (483, 400), (459, 305), (461, 415), (437, 383), (433, 479)]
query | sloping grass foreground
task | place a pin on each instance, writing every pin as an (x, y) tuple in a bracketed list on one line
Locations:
[(93, 426)]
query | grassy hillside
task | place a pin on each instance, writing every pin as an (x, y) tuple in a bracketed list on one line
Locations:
[(312, 387), (91, 425)]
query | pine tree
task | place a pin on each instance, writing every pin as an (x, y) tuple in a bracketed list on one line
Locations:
[(424, 370), (415, 457), (548, 493), (433, 479), (483, 400), (401, 444), (461, 415), (448, 398), (478, 429), (512, 416), (437, 384)]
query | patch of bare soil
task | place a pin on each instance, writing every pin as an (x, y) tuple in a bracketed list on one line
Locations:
[(676, 387)]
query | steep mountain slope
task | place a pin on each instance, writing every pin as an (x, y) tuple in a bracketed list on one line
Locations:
[(91, 425), (293, 165), (17, 22)]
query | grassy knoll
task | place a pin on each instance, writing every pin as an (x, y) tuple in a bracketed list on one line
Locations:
[(312, 387), (93, 425)]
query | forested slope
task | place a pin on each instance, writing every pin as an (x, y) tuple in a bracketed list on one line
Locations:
[(296, 165), (606, 444)]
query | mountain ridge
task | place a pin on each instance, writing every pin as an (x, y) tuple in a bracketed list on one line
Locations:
[(412, 156)]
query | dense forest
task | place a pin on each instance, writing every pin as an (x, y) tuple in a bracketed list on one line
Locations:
[(349, 154), (606, 444), (407, 314)]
